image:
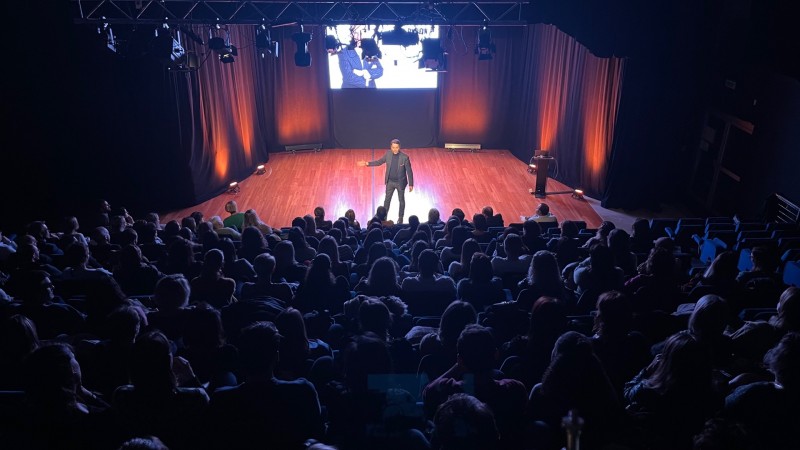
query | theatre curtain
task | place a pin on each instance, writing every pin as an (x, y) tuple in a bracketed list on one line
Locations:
[(542, 90)]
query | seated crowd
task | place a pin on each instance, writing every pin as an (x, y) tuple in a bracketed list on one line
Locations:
[(212, 333)]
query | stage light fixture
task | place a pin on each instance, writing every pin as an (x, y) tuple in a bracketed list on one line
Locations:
[(107, 36), (399, 36), (233, 187), (302, 58), (531, 168), (485, 47), (577, 194), (166, 48), (434, 58), (265, 43), (261, 169)]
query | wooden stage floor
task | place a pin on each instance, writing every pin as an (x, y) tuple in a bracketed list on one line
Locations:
[(295, 184)]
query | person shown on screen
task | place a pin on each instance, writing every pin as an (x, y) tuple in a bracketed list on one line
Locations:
[(398, 175), (360, 62)]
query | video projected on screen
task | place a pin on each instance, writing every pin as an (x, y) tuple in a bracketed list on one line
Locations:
[(383, 57)]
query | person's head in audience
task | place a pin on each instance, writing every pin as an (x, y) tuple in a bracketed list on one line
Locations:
[(765, 259), (27, 254), (38, 229), (52, 379), (723, 269), (665, 242), (204, 229), (464, 423), (310, 228), (186, 233), (216, 222), (213, 262), (203, 328), (569, 229), (171, 293), (452, 222), (458, 212), (373, 235), (416, 250), (264, 266), (37, 289), (253, 239), (426, 231), (228, 249), (487, 211), (76, 255), (640, 229), (614, 317), (542, 210), (148, 233), (531, 228), (455, 318), (544, 270), (601, 259), (117, 224), (18, 338), (468, 248), (189, 222), (351, 216), (151, 365), (172, 229), (284, 254), (101, 236), (783, 361), (684, 367), (298, 239), (298, 222), (367, 355), (548, 320), (604, 230), (477, 350), (433, 216), (197, 216), (258, 345), (292, 328), (660, 263), (231, 207), (328, 246), (413, 222), (180, 255), (383, 273), (376, 250), (71, 225), (709, 318), (374, 317), (381, 212), (619, 241), (152, 217), (122, 325), (319, 214), (479, 221), (513, 246), (428, 263), (788, 309), (128, 236), (143, 443), (480, 268), (338, 230), (319, 272), (575, 375)]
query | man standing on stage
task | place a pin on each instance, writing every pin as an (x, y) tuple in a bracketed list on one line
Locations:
[(398, 175)]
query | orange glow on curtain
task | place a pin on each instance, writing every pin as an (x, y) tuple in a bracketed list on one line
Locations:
[(576, 98)]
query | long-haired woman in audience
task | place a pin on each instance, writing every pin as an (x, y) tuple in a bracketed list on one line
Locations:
[(481, 288), (543, 279), (298, 351), (460, 269), (328, 246), (253, 244), (251, 219), (321, 290), (382, 279)]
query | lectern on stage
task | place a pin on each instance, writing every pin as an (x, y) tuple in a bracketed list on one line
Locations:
[(542, 166)]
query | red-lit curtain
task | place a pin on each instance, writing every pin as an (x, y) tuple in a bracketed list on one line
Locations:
[(239, 111), (569, 103), (475, 97)]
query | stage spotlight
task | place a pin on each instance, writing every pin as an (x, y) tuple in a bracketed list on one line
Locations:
[(261, 169), (227, 54), (107, 36), (233, 187), (434, 58), (166, 48), (577, 194), (485, 47), (222, 45), (302, 58), (531, 168), (265, 43)]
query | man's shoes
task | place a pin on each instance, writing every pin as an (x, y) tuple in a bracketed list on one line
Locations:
[(399, 220)]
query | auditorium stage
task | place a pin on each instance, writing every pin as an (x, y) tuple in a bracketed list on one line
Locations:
[(294, 184)]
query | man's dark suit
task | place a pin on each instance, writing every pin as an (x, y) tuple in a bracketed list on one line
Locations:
[(406, 178)]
